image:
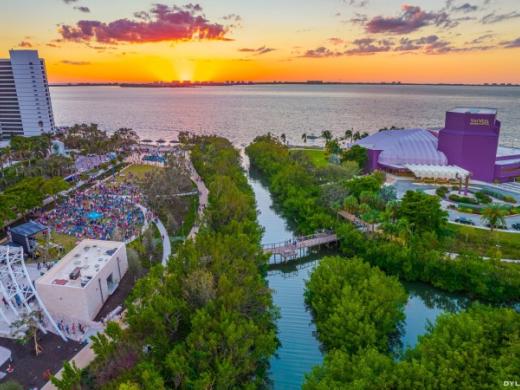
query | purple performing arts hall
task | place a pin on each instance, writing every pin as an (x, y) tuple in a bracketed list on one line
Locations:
[(469, 140)]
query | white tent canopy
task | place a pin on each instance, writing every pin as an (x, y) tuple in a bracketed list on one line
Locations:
[(445, 172)]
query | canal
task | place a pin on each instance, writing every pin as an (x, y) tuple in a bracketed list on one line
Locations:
[(300, 350)]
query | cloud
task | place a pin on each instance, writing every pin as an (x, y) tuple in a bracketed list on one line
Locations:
[(232, 18), (411, 19), (481, 38), (336, 41), (357, 3), (321, 52), (26, 44), (69, 1), (82, 9), (359, 19), (164, 24), (407, 44), (466, 7), (259, 51), (77, 63), (515, 43), (368, 46), (497, 18)]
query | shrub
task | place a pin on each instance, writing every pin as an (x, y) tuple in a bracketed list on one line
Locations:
[(442, 191), (483, 197), (462, 199), (509, 199)]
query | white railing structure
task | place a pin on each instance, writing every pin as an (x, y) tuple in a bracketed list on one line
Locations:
[(18, 292)]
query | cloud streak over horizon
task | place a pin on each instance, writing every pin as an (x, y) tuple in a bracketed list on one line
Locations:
[(161, 23)]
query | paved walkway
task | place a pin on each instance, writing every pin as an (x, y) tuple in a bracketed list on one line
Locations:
[(167, 246), (82, 359), (203, 196)]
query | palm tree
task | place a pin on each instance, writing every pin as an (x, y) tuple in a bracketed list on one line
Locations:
[(494, 215), (283, 137), (348, 134), (356, 136), (327, 135), (304, 138)]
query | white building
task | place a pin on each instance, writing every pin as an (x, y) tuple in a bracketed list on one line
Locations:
[(25, 103), (78, 286)]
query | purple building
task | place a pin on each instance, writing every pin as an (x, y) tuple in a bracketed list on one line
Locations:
[(469, 140)]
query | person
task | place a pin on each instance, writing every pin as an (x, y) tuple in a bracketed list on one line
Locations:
[(10, 368), (47, 374)]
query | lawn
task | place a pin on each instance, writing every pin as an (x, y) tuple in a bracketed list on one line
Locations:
[(483, 242), (136, 170), (67, 242), (317, 156)]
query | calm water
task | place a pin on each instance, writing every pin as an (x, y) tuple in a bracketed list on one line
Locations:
[(242, 112), (300, 350)]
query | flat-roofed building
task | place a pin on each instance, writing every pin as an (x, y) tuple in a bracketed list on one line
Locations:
[(78, 286), (25, 102)]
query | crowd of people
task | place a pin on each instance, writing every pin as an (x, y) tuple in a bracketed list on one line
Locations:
[(106, 213)]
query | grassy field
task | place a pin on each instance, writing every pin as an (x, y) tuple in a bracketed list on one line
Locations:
[(317, 156), (484, 243), (138, 171)]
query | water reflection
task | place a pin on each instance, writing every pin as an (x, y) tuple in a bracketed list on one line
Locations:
[(300, 350)]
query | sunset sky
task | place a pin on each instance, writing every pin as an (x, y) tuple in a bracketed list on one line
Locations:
[(471, 41)]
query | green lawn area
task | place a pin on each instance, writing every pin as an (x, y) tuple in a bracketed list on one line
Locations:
[(483, 242), (66, 241), (317, 156), (138, 171)]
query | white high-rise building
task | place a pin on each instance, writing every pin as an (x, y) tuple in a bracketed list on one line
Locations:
[(25, 102)]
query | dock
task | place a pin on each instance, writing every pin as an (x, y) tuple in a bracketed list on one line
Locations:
[(298, 247)]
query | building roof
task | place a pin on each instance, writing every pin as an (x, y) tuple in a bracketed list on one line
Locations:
[(438, 171), (504, 151), (474, 110), (89, 255), (401, 147), (28, 229)]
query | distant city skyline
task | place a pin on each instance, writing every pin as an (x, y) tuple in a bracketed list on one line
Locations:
[(425, 41)]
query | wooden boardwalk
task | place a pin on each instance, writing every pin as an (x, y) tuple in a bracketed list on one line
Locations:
[(298, 247)]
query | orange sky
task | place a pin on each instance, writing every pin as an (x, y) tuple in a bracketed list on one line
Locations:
[(381, 40)]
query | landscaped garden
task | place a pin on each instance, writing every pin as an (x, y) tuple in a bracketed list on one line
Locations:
[(476, 201)]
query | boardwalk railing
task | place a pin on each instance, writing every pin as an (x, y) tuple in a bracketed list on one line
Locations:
[(297, 247)]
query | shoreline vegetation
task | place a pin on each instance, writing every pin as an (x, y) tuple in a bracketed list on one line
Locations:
[(358, 308), (207, 319), (414, 234)]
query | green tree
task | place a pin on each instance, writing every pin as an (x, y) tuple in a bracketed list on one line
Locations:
[(356, 153), (348, 134), (494, 215), (332, 147), (326, 135), (27, 327), (70, 377), (304, 138), (423, 212), (355, 306)]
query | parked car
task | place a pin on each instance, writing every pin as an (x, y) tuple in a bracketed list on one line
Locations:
[(465, 221), (500, 227)]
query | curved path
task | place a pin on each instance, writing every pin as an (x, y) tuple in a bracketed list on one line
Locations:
[(203, 195)]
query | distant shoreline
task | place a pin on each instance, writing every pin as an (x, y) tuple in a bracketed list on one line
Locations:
[(231, 84)]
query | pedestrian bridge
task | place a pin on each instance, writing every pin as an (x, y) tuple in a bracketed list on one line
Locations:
[(297, 247)]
